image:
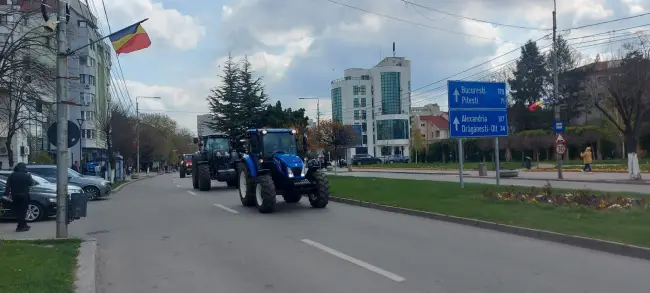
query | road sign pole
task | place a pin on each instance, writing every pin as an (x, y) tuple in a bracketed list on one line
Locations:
[(496, 160), (555, 84), (460, 161), (62, 126)]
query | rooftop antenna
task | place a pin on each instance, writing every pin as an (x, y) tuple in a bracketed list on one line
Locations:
[(393, 49)]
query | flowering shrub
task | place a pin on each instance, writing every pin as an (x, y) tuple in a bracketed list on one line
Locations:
[(580, 198)]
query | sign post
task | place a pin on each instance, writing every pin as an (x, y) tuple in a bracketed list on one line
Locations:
[(477, 109)]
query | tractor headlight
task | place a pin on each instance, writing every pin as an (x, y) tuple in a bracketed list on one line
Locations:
[(303, 173), (289, 172)]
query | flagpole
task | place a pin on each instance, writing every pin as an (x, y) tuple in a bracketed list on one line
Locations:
[(71, 52)]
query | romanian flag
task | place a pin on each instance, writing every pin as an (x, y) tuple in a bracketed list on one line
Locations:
[(130, 39), (536, 105)]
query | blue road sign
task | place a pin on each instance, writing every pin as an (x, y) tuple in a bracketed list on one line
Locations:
[(476, 95), (558, 126), (472, 123)]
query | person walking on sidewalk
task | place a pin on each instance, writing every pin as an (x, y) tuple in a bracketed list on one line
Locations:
[(586, 158), (17, 189)]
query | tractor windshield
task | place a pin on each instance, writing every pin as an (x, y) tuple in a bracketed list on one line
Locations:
[(283, 143), (217, 144)]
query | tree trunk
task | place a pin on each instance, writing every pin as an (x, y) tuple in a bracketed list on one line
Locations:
[(599, 152), (508, 155), (10, 152), (633, 169)]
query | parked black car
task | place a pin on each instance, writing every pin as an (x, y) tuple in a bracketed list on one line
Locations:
[(41, 206), (364, 159)]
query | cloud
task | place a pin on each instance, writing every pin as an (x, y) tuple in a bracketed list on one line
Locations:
[(179, 30)]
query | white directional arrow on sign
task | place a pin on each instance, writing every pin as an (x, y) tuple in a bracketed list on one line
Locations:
[(456, 123), (456, 94), (559, 138)]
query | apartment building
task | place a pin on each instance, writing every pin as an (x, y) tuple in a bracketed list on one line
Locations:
[(432, 122), (376, 101)]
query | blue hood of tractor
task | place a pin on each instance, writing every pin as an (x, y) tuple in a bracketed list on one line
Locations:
[(291, 161)]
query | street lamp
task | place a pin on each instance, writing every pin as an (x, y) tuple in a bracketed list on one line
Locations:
[(317, 108), (81, 140), (137, 128)]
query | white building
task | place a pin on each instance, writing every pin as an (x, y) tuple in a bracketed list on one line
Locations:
[(377, 101)]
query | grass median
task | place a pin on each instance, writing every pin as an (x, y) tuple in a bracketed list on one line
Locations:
[(40, 266), (573, 165), (621, 225)]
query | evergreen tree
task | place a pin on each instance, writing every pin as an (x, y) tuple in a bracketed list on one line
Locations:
[(252, 96), (224, 102), (528, 86)]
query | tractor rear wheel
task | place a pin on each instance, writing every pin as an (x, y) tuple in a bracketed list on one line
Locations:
[(320, 197), (265, 194), (204, 177), (195, 177), (246, 186)]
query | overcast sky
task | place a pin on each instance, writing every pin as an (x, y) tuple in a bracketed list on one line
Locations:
[(299, 46)]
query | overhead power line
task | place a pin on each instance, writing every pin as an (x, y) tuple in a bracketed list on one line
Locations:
[(606, 22), (474, 19), (417, 23)]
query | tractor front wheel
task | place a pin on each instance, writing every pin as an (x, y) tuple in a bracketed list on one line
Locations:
[(246, 186), (265, 194), (320, 196), (204, 177)]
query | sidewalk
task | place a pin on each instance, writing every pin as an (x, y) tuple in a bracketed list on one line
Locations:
[(603, 177)]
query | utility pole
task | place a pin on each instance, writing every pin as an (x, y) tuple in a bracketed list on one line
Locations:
[(555, 84), (62, 124), (317, 108)]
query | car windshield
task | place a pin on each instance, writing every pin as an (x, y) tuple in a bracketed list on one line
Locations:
[(39, 179), (284, 143), (217, 143), (73, 173), (188, 158)]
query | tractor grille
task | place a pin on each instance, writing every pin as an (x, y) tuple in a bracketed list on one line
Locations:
[(296, 171)]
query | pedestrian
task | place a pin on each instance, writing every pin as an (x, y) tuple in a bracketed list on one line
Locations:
[(587, 159), (75, 166), (17, 188)]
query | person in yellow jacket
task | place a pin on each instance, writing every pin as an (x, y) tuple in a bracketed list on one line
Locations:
[(586, 158)]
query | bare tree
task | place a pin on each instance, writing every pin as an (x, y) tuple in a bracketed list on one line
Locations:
[(627, 90), (26, 71), (332, 136)]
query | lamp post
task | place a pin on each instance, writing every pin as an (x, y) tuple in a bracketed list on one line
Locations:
[(137, 128), (81, 121), (317, 108)]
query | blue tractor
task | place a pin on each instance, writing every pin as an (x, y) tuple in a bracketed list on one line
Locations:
[(271, 166), (216, 160)]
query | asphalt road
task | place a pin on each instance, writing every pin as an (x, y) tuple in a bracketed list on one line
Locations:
[(595, 185), (158, 235)]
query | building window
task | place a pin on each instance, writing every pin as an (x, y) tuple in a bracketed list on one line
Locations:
[(385, 151), (390, 93), (356, 114), (362, 90), (437, 133), (364, 126), (422, 125), (86, 98), (92, 45), (363, 102), (87, 79), (355, 90), (365, 77), (88, 134), (364, 139), (392, 129), (363, 115), (337, 105), (4, 19), (87, 115), (356, 102), (4, 37), (82, 23)]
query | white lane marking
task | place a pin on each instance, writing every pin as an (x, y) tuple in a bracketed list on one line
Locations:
[(355, 261), (225, 208), (178, 186), (191, 192)]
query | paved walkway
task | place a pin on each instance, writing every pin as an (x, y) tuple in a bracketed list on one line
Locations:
[(530, 175)]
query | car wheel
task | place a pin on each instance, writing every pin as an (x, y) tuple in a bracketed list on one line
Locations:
[(92, 192), (35, 212)]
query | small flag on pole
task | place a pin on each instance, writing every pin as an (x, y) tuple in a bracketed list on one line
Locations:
[(130, 39)]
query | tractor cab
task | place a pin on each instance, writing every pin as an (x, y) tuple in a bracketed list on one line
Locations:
[(277, 149), (215, 143)]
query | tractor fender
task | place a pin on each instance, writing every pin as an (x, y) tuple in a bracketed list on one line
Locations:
[(252, 166)]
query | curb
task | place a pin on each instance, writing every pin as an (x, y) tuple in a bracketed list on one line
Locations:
[(583, 242), (628, 182), (86, 277), (117, 189)]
